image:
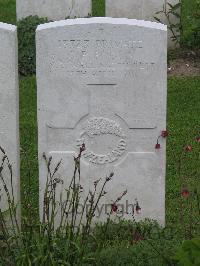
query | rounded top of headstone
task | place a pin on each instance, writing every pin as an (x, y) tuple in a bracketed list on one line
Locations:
[(103, 20), (9, 27)]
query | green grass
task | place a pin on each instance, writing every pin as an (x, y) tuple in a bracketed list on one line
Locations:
[(190, 22), (28, 139), (98, 8), (7, 11), (184, 126)]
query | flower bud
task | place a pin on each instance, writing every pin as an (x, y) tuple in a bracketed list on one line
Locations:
[(198, 139), (157, 146), (82, 148), (188, 148), (185, 193), (111, 174), (114, 207), (138, 209), (164, 133)]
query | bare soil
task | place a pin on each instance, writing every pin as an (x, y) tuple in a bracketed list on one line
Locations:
[(184, 67)]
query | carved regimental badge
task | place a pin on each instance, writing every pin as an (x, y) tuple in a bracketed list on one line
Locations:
[(102, 134)]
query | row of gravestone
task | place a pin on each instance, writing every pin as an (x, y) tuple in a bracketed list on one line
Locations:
[(102, 82), (62, 9)]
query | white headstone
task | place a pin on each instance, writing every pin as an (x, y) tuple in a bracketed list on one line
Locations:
[(103, 81), (140, 9), (9, 124), (53, 9)]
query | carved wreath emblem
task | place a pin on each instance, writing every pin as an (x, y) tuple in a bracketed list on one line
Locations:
[(102, 126)]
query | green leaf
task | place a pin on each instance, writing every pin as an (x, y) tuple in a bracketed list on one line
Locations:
[(189, 253), (175, 7), (170, 5)]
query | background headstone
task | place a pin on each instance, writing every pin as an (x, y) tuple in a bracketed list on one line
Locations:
[(54, 9), (140, 9), (103, 81), (9, 124)]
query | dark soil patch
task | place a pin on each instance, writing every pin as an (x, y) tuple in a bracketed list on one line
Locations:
[(184, 63), (183, 67)]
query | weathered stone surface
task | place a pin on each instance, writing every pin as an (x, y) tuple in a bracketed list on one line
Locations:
[(54, 9), (9, 124), (102, 81), (140, 9)]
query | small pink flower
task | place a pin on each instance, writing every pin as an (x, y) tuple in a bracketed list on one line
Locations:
[(198, 139), (188, 148), (114, 207), (185, 193), (138, 209), (164, 133), (157, 146)]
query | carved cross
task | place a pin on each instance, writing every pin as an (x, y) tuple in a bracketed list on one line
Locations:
[(104, 129)]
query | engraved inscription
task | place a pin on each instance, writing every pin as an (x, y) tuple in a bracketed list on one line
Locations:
[(100, 58), (113, 44), (100, 126), (101, 53)]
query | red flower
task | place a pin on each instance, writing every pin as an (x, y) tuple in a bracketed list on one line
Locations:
[(157, 147), (164, 133), (185, 193), (188, 148), (198, 139), (137, 208), (114, 207)]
